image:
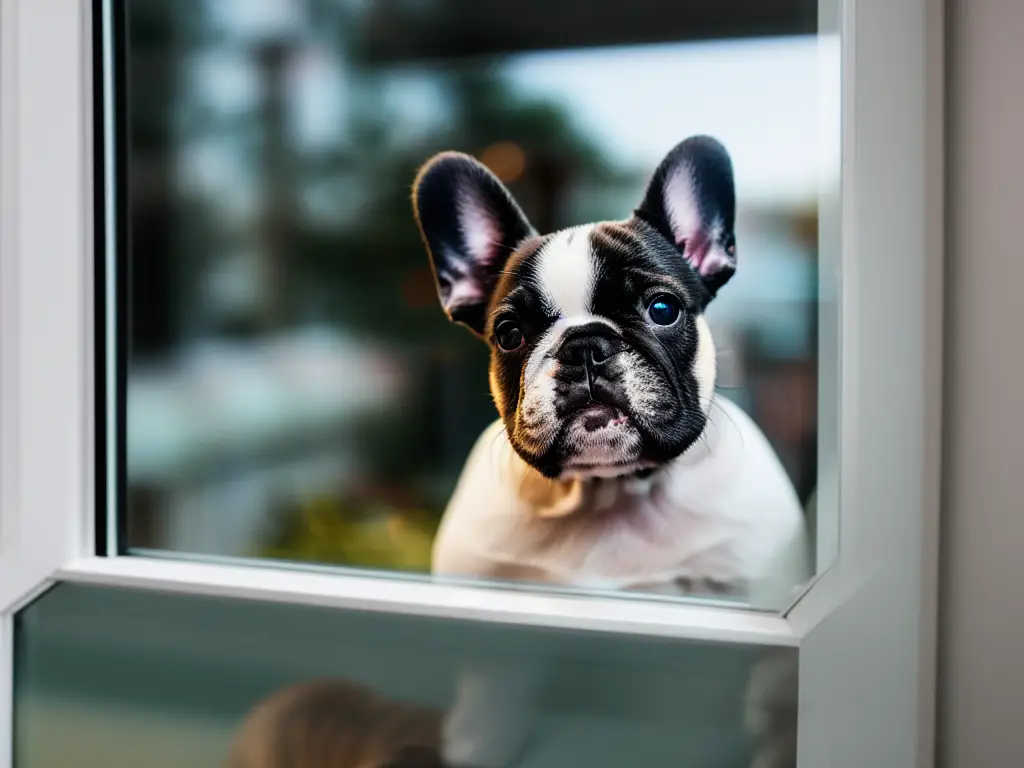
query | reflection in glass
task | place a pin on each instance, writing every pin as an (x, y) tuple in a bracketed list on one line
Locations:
[(294, 390), (110, 678), (336, 722)]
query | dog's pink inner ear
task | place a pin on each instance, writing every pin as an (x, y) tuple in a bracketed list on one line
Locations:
[(681, 207), (480, 231), (688, 227), (468, 280), (706, 258), (463, 293), (713, 260)]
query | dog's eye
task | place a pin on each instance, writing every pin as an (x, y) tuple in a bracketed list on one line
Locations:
[(663, 310), (508, 335), (730, 245)]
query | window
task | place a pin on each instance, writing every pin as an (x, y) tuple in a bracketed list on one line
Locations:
[(292, 389), (115, 678), (112, 149)]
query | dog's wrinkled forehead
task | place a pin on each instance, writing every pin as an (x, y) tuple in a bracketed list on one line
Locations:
[(594, 271)]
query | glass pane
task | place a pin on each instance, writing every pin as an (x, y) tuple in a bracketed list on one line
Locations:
[(294, 390), (121, 679)]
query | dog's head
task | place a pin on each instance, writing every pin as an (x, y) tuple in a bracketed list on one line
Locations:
[(602, 363)]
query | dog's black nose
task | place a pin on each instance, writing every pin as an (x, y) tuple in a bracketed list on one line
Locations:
[(589, 349)]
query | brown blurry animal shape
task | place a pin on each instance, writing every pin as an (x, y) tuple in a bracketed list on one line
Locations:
[(336, 724)]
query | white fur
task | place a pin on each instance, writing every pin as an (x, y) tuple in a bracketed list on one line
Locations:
[(705, 363), (566, 271)]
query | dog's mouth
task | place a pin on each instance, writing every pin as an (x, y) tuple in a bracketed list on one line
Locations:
[(602, 440), (588, 471), (600, 416)]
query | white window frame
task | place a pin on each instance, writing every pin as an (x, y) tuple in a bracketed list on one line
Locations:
[(866, 627)]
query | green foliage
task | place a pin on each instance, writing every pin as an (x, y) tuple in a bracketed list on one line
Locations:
[(327, 530)]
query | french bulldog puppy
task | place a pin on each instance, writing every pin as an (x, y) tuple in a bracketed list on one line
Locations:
[(614, 464)]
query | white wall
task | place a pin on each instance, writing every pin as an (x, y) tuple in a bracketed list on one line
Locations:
[(981, 674)]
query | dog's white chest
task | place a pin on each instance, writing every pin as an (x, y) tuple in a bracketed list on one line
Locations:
[(721, 513)]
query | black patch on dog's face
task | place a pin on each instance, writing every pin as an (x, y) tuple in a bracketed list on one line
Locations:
[(633, 265), (590, 380)]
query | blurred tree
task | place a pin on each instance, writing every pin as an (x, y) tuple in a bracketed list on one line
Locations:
[(364, 270), (157, 34), (370, 272)]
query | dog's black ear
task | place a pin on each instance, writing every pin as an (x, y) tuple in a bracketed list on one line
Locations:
[(470, 225), (692, 201)]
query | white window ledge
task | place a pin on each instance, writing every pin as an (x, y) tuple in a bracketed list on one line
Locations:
[(424, 598)]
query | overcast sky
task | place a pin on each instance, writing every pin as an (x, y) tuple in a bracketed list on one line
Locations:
[(773, 102)]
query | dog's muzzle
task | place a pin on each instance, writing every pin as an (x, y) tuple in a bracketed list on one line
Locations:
[(590, 374)]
